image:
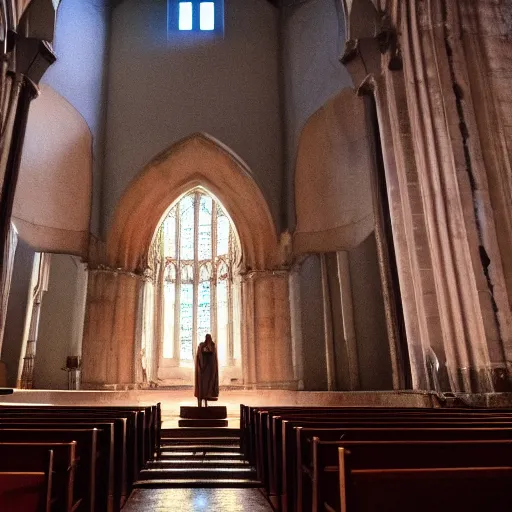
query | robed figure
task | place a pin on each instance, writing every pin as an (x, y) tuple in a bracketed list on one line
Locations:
[(207, 372)]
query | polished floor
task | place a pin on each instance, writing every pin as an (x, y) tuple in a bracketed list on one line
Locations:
[(197, 500)]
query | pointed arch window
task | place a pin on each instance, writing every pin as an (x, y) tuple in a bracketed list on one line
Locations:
[(199, 248)]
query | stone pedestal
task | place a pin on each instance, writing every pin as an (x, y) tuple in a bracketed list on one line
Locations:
[(214, 416)]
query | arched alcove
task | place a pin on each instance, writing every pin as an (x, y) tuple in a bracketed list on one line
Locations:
[(56, 165), (195, 266), (120, 345), (196, 161)]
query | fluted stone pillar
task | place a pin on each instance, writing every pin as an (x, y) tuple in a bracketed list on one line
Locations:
[(438, 71)]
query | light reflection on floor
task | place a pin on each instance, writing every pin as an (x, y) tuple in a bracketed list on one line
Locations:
[(197, 500)]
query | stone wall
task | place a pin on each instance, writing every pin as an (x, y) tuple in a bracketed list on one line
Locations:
[(167, 85)]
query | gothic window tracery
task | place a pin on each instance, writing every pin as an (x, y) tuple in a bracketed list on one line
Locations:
[(198, 248)]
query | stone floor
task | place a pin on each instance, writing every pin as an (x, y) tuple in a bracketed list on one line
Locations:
[(197, 500)]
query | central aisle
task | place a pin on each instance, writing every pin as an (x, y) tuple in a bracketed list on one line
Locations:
[(199, 466), (196, 500)]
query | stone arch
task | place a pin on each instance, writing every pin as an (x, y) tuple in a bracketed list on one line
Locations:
[(197, 160)]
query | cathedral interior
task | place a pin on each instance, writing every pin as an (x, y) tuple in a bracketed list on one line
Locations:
[(324, 186)]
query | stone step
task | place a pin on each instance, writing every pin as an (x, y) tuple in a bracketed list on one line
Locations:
[(198, 483), (197, 463), (179, 441), (199, 432), (189, 455), (215, 412), (201, 447), (194, 473), (185, 423)]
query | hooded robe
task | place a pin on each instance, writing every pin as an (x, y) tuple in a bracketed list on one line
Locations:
[(206, 372)]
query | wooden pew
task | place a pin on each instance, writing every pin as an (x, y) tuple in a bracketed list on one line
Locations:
[(27, 491), (143, 427), (272, 426), (295, 448), (93, 480), (281, 449), (428, 475), (266, 454), (138, 430), (250, 422), (125, 427), (113, 471), (24, 492), (292, 450), (422, 490), (28, 457)]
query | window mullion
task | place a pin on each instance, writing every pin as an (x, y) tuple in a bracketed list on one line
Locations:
[(230, 303), (177, 289), (214, 274), (195, 308), (196, 16)]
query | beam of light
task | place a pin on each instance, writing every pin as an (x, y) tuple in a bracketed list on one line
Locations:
[(207, 16)]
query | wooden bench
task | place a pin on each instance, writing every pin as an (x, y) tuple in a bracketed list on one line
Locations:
[(113, 446), (33, 457), (134, 434), (147, 422), (281, 449), (25, 491), (422, 490), (404, 476), (294, 448), (126, 438), (268, 435), (94, 485)]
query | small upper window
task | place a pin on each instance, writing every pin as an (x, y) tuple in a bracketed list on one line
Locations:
[(207, 16), (195, 15), (185, 17)]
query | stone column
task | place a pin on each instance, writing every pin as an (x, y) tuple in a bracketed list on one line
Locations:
[(109, 345), (25, 55), (7, 268), (347, 311), (437, 70), (40, 276), (267, 343), (296, 328)]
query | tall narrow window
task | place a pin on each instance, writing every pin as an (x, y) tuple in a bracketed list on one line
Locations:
[(185, 16), (207, 16), (198, 246)]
